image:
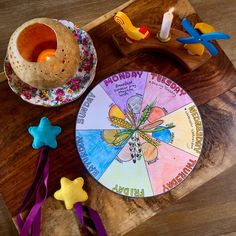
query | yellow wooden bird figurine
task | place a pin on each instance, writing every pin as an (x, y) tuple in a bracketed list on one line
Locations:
[(132, 33)]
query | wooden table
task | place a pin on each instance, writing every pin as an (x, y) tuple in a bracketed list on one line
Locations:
[(211, 86)]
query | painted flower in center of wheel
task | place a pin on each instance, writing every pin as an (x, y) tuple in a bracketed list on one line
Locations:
[(133, 128)]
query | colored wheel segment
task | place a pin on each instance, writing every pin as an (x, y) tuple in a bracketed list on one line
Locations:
[(187, 131), (165, 94), (167, 166), (127, 175), (96, 151), (93, 113), (126, 89)]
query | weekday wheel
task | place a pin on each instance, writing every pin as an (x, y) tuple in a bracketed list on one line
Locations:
[(139, 133)]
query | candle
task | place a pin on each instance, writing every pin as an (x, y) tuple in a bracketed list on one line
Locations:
[(45, 55), (166, 24)]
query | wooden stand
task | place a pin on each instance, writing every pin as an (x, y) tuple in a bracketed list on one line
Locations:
[(173, 48)]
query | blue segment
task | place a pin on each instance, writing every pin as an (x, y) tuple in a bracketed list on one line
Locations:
[(188, 27), (215, 36), (164, 135), (188, 40), (210, 47), (95, 153)]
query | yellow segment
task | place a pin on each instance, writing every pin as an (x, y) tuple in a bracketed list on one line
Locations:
[(116, 112), (204, 28), (71, 192), (195, 49)]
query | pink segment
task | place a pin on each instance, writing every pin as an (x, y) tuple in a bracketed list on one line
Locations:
[(170, 169), (168, 96)]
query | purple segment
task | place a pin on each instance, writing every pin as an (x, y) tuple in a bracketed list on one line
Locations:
[(126, 89)]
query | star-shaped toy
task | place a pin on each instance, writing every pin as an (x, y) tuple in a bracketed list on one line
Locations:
[(71, 192), (44, 134)]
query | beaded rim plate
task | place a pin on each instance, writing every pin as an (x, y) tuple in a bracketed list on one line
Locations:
[(70, 91)]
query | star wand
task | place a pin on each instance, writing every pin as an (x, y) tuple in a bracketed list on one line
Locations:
[(44, 138), (72, 193)]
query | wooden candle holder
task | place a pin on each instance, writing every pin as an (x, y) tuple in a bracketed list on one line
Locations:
[(171, 48)]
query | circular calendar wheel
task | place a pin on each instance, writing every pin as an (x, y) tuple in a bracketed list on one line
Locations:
[(139, 133)]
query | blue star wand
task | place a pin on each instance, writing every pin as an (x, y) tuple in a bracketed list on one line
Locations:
[(44, 138), (204, 39)]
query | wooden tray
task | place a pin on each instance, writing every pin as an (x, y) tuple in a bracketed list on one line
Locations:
[(211, 86)]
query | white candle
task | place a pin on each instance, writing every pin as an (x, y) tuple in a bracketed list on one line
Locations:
[(166, 24)]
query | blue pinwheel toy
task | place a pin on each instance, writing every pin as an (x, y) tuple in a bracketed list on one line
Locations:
[(205, 39)]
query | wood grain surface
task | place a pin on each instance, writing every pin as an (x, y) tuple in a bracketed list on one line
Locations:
[(211, 214), (222, 15), (208, 86), (6, 225)]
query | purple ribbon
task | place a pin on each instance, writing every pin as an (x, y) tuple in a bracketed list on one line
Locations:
[(31, 224), (40, 182), (85, 221)]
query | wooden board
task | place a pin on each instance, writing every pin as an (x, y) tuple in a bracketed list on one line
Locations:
[(210, 86), (206, 211), (173, 48), (6, 224)]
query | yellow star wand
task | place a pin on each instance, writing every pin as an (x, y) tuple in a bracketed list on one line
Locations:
[(72, 193)]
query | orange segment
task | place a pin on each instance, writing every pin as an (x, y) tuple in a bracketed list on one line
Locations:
[(195, 49), (204, 28)]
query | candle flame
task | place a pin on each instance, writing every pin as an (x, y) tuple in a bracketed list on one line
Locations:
[(171, 10)]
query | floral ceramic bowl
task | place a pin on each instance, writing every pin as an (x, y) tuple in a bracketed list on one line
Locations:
[(70, 91)]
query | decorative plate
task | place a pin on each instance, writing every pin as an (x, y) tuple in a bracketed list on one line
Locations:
[(73, 89), (139, 134)]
